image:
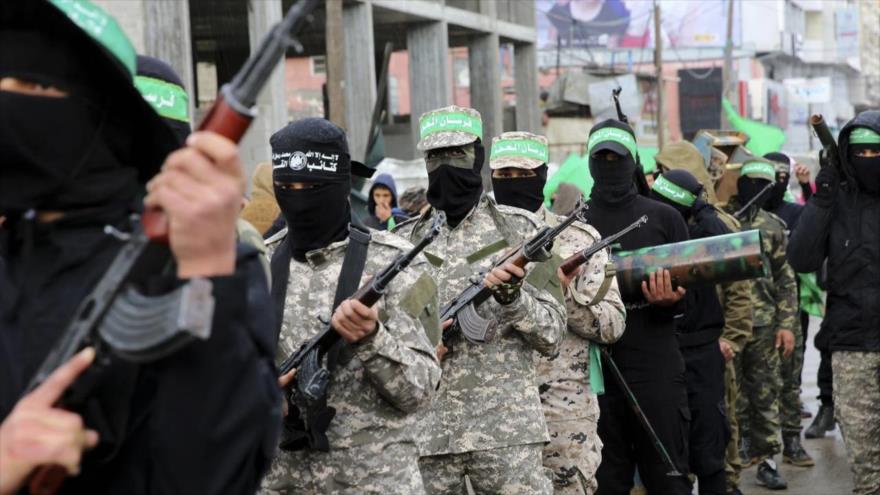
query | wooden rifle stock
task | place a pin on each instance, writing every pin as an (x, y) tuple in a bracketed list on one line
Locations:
[(222, 119)]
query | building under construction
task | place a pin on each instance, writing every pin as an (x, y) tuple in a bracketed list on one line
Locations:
[(342, 57)]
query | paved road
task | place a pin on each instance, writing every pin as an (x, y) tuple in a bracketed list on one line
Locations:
[(831, 474)]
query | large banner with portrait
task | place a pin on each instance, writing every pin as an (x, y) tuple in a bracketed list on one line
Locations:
[(630, 23)]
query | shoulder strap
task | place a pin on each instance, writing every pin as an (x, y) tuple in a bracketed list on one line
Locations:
[(279, 268), (349, 280)]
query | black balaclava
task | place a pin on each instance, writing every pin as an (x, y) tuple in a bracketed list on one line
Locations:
[(312, 150), (522, 192), (679, 189), (153, 70), (776, 196), (867, 170), (613, 181), (749, 187), (454, 181), (58, 153)]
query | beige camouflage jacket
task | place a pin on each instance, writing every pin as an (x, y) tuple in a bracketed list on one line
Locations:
[(488, 397), (774, 298), (392, 372), (565, 377), (735, 299)]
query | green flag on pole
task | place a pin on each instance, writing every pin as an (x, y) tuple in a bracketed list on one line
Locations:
[(763, 138)]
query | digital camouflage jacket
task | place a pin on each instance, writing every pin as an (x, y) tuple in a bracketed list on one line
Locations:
[(488, 397)]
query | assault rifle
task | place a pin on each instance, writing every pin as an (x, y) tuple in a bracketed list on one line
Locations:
[(740, 213), (116, 314), (829, 144), (615, 94), (463, 308), (577, 259), (307, 426)]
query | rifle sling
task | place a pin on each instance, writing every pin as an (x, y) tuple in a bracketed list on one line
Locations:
[(349, 281)]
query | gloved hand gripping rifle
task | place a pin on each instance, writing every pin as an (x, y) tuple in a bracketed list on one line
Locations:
[(117, 314), (462, 309), (308, 418)]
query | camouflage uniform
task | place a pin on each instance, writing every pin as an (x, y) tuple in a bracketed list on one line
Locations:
[(372, 437), (774, 308), (856, 396), (570, 406), (736, 301), (487, 411)]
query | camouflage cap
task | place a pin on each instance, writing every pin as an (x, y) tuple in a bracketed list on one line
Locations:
[(449, 126), (519, 150), (758, 168)]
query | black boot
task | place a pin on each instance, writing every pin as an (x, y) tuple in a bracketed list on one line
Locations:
[(822, 423), (769, 476), (793, 452)]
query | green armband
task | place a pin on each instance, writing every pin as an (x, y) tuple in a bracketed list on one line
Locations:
[(597, 380)]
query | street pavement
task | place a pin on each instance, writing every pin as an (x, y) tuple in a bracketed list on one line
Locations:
[(831, 474)]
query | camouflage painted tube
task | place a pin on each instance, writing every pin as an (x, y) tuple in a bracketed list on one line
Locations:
[(694, 263)]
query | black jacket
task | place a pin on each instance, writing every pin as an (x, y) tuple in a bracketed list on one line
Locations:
[(203, 420), (703, 318), (848, 234), (648, 350)]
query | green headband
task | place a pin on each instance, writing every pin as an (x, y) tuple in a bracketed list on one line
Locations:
[(864, 135), (612, 134), (673, 192), (759, 168), (169, 100), (528, 148), (450, 122), (103, 28)]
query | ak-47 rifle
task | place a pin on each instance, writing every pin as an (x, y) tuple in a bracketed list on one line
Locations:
[(829, 144), (742, 211), (579, 258), (463, 308), (116, 314), (306, 426)]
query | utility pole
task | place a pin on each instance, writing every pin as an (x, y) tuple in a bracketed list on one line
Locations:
[(335, 62), (727, 72), (658, 69)]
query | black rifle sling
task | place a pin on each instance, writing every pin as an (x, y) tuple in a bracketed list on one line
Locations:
[(349, 281), (280, 269)]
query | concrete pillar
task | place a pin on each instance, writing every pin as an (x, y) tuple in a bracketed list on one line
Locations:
[(485, 85), (272, 102), (428, 46), (167, 37), (360, 75), (528, 109)]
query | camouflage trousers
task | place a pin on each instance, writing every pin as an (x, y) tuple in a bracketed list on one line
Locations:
[(512, 470), (790, 404), (732, 462), (758, 366), (392, 469), (574, 453), (857, 407)]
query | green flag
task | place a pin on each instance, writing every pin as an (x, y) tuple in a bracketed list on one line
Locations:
[(574, 170), (763, 138)]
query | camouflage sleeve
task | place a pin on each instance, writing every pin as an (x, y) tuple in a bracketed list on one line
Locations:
[(736, 300), (538, 316), (785, 286), (398, 359), (603, 321)]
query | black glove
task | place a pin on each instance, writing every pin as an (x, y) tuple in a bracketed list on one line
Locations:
[(827, 182)]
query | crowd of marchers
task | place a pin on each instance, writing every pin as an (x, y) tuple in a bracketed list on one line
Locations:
[(279, 345)]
